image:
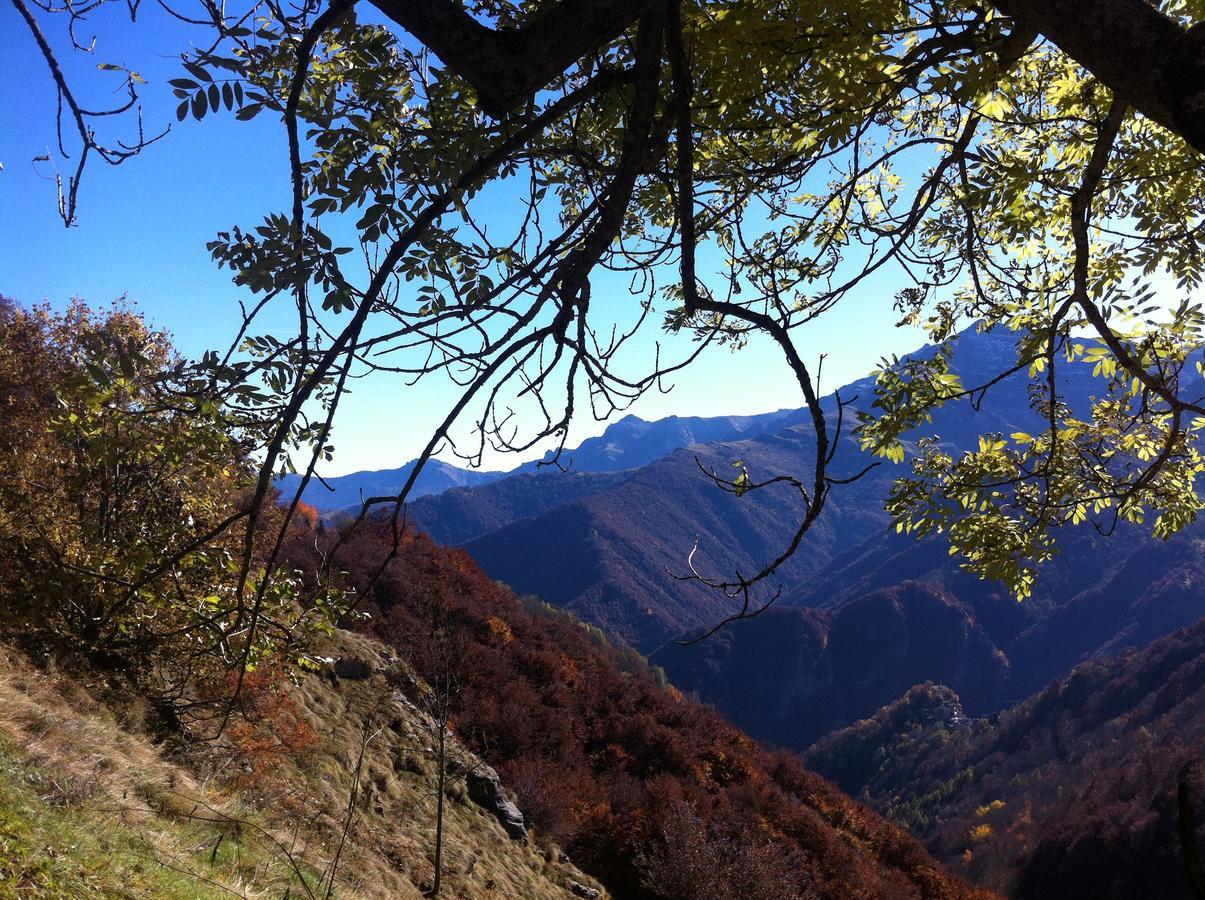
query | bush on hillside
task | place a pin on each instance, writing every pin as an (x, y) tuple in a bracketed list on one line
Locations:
[(653, 795), (122, 501)]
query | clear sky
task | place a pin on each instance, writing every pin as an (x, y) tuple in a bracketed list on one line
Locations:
[(143, 227)]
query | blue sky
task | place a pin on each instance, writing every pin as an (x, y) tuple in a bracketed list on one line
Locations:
[(143, 227)]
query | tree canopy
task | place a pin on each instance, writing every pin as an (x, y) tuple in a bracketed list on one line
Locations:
[(1027, 165), (123, 480)]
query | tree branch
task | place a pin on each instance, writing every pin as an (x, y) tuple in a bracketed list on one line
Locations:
[(1142, 55), (504, 67)]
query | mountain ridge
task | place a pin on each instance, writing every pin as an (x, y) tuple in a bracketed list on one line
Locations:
[(608, 552), (1070, 793), (628, 443)]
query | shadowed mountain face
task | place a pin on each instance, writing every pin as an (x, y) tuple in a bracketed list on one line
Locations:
[(1070, 794), (611, 552), (994, 652), (458, 516), (608, 547), (794, 674)]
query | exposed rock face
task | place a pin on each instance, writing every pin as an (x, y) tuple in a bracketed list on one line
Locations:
[(485, 789), (580, 890)]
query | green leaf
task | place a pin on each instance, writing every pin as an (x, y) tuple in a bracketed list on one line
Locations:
[(198, 71)]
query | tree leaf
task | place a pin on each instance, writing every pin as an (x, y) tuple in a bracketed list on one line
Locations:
[(198, 71)]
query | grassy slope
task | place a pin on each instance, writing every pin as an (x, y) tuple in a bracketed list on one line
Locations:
[(89, 806)]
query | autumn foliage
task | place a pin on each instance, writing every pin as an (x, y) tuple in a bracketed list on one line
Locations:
[(124, 490), (655, 795)]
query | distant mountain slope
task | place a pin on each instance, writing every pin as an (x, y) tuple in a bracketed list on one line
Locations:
[(1070, 794), (633, 441), (610, 554), (346, 491), (605, 556), (460, 515), (626, 444), (1120, 593), (793, 675), (607, 551)]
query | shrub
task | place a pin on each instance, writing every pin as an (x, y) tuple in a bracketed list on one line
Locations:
[(122, 504)]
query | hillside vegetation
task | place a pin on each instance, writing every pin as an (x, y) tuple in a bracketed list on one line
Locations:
[(188, 712), (1072, 793), (655, 795), (93, 804), (174, 720)]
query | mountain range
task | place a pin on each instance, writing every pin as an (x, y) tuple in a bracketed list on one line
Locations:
[(347, 492), (628, 443), (864, 614)]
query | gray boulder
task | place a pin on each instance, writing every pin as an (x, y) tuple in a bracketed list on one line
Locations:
[(485, 789)]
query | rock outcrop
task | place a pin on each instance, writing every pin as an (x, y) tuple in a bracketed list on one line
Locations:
[(485, 789)]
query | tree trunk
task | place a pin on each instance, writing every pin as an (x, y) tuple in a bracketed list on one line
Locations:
[(439, 810), (1145, 57)]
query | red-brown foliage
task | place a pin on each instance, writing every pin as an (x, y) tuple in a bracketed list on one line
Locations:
[(654, 795), (268, 727)]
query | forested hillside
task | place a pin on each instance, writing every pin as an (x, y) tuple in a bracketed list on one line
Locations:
[(164, 734), (653, 794), (608, 550), (153, 741), (1072, 793), (453, 237)]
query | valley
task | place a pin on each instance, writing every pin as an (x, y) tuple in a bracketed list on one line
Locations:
[(870, 630)]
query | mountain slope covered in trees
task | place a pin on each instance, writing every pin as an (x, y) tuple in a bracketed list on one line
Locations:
[(165, 733), (1072, 793), (653, 794), (609, 551)]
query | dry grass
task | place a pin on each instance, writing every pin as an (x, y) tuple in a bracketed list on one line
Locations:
[(89, 806)]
